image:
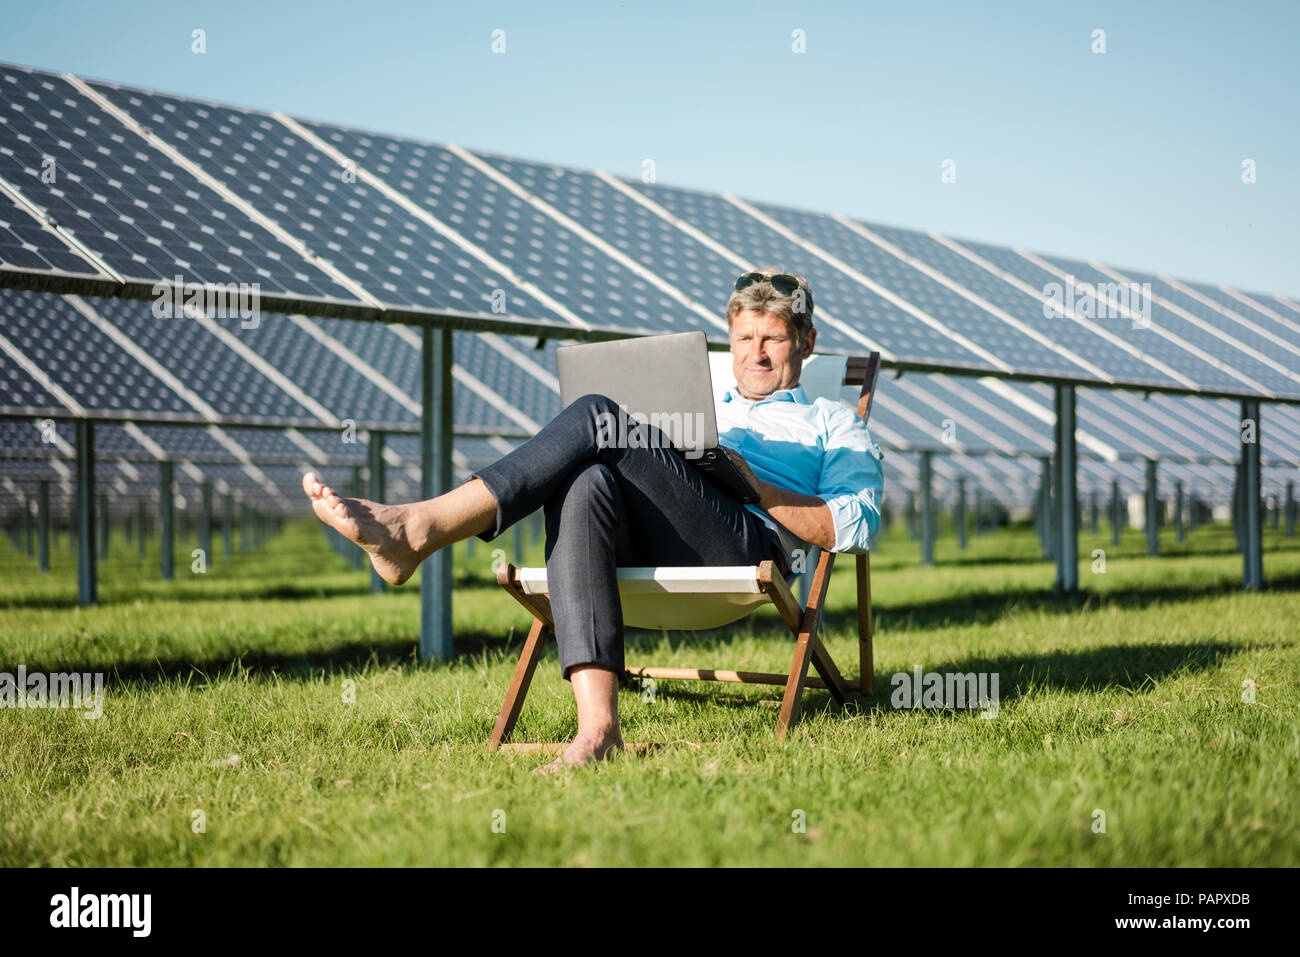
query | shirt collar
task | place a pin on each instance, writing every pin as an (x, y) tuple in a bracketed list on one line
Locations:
[(795, 395)]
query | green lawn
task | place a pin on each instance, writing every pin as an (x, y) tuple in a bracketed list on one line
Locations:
[(1126, 700)]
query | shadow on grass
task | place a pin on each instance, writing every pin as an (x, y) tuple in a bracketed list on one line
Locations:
[(986, 607), (1167, 550), (217, 593), (253, 665), (1136, 668), (1124, 666), (220, 590)]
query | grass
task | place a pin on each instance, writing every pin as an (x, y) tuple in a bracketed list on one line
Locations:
[(1125, 700)]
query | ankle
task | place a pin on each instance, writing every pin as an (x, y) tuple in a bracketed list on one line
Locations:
[(600, 731), (419, 530)]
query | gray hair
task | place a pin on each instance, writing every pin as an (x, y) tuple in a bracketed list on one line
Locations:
[(796, 309)]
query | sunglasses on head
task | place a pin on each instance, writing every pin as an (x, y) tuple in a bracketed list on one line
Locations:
[(783, 283)]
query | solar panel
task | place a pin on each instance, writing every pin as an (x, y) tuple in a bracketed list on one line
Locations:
[(521, 389), (143, 215), (125, 197), (397, 258), (893, 428), (955, 315), (1271, 357), (82, 360), (682, 261), (204, 364), (968, 415), (1114, 429), (110, 439), (23, 435), (267, 446), (588, 283), (27, 436), (1212, 372), (866, 319), (1196, 371), (996, 411), (1266, 311), (19, 392), (1289, 306), (183, 442), (398, 360), (1272, 321), (319, 373), (1137, 426), (334, 445), (27, 246), (1059, 346), (1213, 424)]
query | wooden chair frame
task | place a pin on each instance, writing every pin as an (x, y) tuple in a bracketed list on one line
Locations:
[(803, 620)]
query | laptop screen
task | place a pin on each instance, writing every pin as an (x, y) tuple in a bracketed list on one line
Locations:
[(662, 381)]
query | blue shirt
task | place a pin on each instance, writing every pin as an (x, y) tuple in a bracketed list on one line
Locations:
[(818, 448)]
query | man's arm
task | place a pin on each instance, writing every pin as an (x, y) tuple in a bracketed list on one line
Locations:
[(852, 481), (806, 516)]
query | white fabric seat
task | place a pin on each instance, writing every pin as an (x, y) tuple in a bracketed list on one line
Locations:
[(677, 597)]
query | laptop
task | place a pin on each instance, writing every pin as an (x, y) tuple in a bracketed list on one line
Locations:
[(663, 381)]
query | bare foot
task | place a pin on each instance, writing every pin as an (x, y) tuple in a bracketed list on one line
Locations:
[(380, 530), (587, 748)]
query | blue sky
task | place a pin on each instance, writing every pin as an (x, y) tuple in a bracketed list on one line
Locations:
[(1132, 157)]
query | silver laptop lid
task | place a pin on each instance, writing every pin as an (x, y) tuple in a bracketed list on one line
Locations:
[(663, 378)]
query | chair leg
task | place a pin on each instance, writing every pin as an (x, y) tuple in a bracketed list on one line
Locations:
[(825, 665), (866, 662), (808, 647), (514, 702), (793, 700)]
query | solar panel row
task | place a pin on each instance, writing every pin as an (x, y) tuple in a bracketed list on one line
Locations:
[(157, 186), (297, 371), (151, 187), (134, 208), (1012, 483)]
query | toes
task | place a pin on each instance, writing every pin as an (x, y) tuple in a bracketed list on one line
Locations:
[(310, 485)]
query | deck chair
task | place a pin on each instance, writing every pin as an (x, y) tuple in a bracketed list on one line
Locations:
[(696, 598)]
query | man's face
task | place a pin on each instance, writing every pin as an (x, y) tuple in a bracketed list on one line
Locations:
[(763, 354)]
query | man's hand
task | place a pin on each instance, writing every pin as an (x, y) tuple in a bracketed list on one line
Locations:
[(806, 516), (746, 472)]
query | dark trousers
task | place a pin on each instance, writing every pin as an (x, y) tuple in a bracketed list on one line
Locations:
[(614, 507)]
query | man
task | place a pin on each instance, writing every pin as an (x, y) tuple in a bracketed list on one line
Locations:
[(814, 465)]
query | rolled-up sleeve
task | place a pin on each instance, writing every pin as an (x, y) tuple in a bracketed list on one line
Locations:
[(851, 481)]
